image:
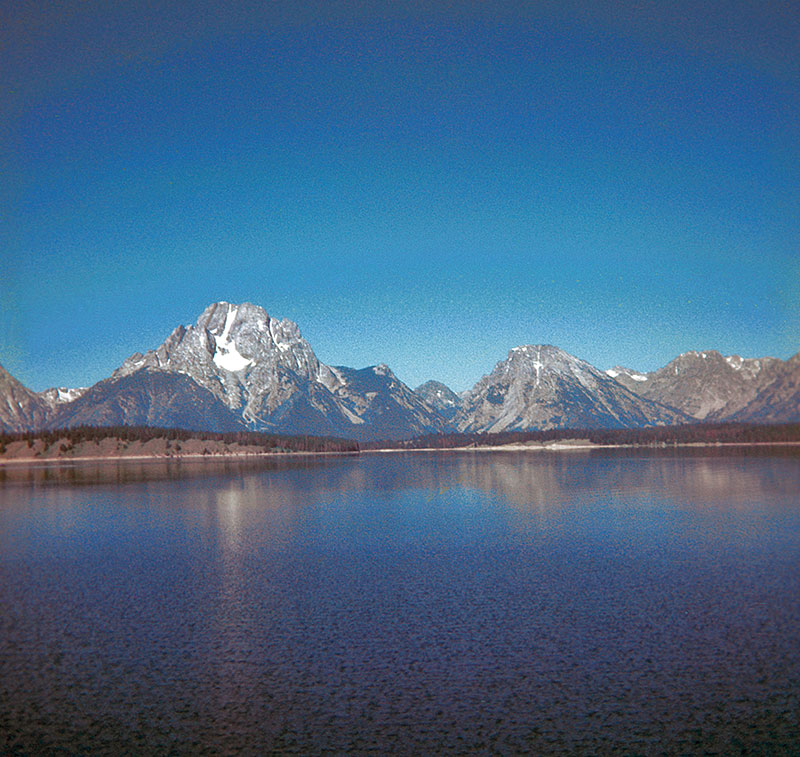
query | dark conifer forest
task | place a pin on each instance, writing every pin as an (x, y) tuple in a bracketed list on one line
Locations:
[(701, 433)]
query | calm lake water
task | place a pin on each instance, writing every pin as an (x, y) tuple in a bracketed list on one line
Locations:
[(577, 602)]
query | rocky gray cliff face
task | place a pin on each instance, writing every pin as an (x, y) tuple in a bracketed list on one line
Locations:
[(542, 387), (20, 408), (440, 397), (705, 385), (264, 370)]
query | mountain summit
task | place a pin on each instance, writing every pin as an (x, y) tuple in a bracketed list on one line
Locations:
[(439, 396), (239, 368), (264, 370), (705, 384), (251, 362), (541, 386)]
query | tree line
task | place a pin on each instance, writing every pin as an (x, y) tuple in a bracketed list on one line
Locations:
[(128, 434), (705, 433)]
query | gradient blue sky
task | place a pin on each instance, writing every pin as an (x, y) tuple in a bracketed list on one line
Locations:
[(421, 184)]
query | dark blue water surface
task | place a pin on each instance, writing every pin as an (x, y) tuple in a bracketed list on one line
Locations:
[(573, 602)]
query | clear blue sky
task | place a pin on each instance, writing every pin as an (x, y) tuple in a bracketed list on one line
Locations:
[(425, 187)]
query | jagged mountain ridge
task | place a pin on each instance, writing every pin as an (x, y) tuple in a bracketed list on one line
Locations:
[(237, 367), (148, 398), (20, 408), (705, 384), (379, 399), (264, 370), (251, 362), (60, 395), (778, 401), (543, 387)]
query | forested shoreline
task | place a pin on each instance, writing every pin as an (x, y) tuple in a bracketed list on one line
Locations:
[(121, 441), (175, 440), (696, 433)]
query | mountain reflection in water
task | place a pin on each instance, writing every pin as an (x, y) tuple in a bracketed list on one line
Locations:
[(448, 602)]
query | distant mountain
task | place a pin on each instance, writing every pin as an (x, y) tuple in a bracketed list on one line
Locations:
[(382, 402), (626, 376), (705, 385), (542, 387), (440, 397), (251, 362), (20, 408), (778, 401), (60, 395), (263, 370), (236, 367), (148, 398)]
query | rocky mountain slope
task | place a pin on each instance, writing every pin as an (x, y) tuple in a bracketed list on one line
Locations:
[(238, 368), (542, 387), (705, 385), (379, 400), (776, 402), (263, 370), (147, 398), (440, 397), (20, 408)]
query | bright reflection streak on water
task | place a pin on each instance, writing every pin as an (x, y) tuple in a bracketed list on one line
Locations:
[(413, 603)]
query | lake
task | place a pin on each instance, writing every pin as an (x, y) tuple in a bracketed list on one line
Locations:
[(574, 602)]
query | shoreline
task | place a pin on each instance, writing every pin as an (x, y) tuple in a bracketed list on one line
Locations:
[(234, 456), (189, 457), (562, 447)]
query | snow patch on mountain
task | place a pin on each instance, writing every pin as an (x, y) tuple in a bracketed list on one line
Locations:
[(735, 362), (264, 370), (226, 355), (59, 395), (626, 373)]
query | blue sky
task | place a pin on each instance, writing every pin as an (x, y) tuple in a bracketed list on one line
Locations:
[(425, 186)]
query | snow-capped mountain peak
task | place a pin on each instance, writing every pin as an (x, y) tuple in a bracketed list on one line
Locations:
[(262, 368), (60, 395), (238, 367)]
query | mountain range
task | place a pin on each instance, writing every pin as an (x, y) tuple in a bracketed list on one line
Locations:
[(238, 368)]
